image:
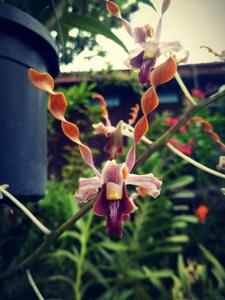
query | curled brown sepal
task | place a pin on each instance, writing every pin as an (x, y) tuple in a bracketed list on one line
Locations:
[(209, 129), (133, 114), (149, 101), (221, 55), (57, 106), (103, 105)]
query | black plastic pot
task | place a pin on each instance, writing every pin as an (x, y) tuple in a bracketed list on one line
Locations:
[(24, 43)]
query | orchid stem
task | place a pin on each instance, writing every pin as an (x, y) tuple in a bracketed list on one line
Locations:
[(34, 286), (184, 89), (44, 229), (183, 156), (194, 162)]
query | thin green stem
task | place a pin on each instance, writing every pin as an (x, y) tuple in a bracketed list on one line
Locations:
[(184, 89), (34, 286), (26, 211), (194, 162)]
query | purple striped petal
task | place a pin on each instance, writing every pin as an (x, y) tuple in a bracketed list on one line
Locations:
[(146, 67), (114, 211), (137, 61)]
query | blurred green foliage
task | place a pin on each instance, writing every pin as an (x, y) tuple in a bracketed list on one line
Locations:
[(164, 254)]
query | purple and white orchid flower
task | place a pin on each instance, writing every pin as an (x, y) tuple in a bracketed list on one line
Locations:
[(144, 58), (113, 202)]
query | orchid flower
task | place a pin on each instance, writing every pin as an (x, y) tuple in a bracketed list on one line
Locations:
[(149, 102), (144, 58), (114, 145), (109, 186), (198, 94), (185, 148)]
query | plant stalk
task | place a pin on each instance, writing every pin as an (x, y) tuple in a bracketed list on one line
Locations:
[(40, 226)]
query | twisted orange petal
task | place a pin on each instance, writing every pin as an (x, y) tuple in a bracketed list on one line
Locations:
[(57, 106), (133, 114), (164, 72), (149, 101), (209, 129), (103, 105), (42, 81)]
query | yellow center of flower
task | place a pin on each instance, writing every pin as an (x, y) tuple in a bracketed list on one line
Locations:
[(148, 54), (113, 191)]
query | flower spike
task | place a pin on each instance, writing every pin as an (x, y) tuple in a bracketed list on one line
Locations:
[(57, 106)]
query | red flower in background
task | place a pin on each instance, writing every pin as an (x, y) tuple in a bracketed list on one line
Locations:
[(185, 148), (198, 93), (201, 213), (170, 121)]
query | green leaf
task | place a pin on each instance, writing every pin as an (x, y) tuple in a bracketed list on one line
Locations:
[(180, 207), (181, 182), (70, 234), (148, 3), (61, 253), (184, 195), (219, 270), (183, 273), (114, 246), (182, 238), (153, 279), (186, 218), (91, 25), (61, 278)]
